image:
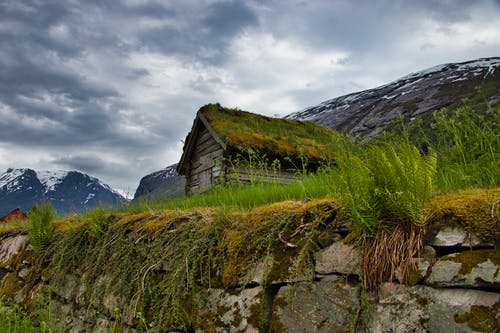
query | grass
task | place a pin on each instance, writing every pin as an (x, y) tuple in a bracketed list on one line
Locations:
[(159, 255), (245, 196), (466, 140), (14, 320), (41, 228), (273, 137), (13, 226)]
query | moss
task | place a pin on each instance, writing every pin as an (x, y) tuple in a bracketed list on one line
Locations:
[(423, 300), (259, 314), (413, 277), (10, 285), (476, 210), (283, 231), (8, 229), (471, 259), (481, 318), (276, 325), (277, 138)]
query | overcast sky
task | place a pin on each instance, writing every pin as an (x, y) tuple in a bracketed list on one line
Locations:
[(111, 88)]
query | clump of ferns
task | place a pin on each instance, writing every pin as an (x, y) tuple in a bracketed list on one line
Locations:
[(386, 191), (41, 227)]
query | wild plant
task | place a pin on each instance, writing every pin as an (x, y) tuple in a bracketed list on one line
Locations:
[(465, 139), (99, 221), (14, 319), (41, 228), (403, 181), (385, 190)]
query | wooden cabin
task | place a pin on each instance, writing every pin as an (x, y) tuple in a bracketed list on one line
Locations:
[(230, 145), (15, 214)]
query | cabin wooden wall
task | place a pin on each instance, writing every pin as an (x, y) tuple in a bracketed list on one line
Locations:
[(206, 165), (244, 175)]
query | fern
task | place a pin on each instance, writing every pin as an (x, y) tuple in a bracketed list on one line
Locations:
[(403, 180), (41, 227)]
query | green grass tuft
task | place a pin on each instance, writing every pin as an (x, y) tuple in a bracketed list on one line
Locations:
[(41, 228)]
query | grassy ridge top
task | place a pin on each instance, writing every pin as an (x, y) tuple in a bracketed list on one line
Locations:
[(275, 137)]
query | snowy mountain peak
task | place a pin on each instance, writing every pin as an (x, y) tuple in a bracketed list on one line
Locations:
[(11, 180), (490, 64), (50, 179), (68, 191)]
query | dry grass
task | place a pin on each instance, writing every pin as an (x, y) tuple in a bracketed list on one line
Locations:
[(390, 254)]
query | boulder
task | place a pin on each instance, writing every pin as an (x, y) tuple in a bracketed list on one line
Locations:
[(395, 311), (457, 236), (67, 287), (231, 312), (329, 305), (425, 309), (12, 245), (338, 258), (479, 268), (258, 273)]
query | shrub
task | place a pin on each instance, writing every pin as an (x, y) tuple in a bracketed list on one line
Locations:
[(41, 228), (99, 221)]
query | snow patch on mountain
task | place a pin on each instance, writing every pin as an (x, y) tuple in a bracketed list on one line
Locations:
[(365, 112), (9, 181), (50, 179)]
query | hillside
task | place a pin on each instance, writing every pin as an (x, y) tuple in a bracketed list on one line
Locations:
[(68, 191), (366, 112), (162, 184)]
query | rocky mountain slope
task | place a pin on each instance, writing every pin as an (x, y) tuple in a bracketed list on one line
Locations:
[(166, 183), (366, 112), (68, 191)]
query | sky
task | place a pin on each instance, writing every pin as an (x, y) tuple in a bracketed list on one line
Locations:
[(111, 88)]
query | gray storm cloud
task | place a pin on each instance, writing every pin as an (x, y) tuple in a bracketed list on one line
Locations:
[(111, 87)]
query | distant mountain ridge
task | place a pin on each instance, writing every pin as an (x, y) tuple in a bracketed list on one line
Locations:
[(162, 184), (68, 191), (366, 112)]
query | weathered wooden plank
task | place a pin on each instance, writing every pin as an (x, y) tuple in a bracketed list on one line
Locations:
[(204, 162), (207, 148), (259, 172), (248, 179), (205, 135), (210, 129), (205, 141), (210, 151)]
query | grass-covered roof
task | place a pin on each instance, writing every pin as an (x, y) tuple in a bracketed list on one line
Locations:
[(274, 137)]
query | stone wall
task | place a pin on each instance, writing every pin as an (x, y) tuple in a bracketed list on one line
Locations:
[(456, 287), (454, 292)]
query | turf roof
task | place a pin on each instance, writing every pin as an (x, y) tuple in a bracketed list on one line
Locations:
[(275, 137)]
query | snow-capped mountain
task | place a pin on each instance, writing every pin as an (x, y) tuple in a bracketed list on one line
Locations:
[(166, 183), (366, 112), (68, 191)]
